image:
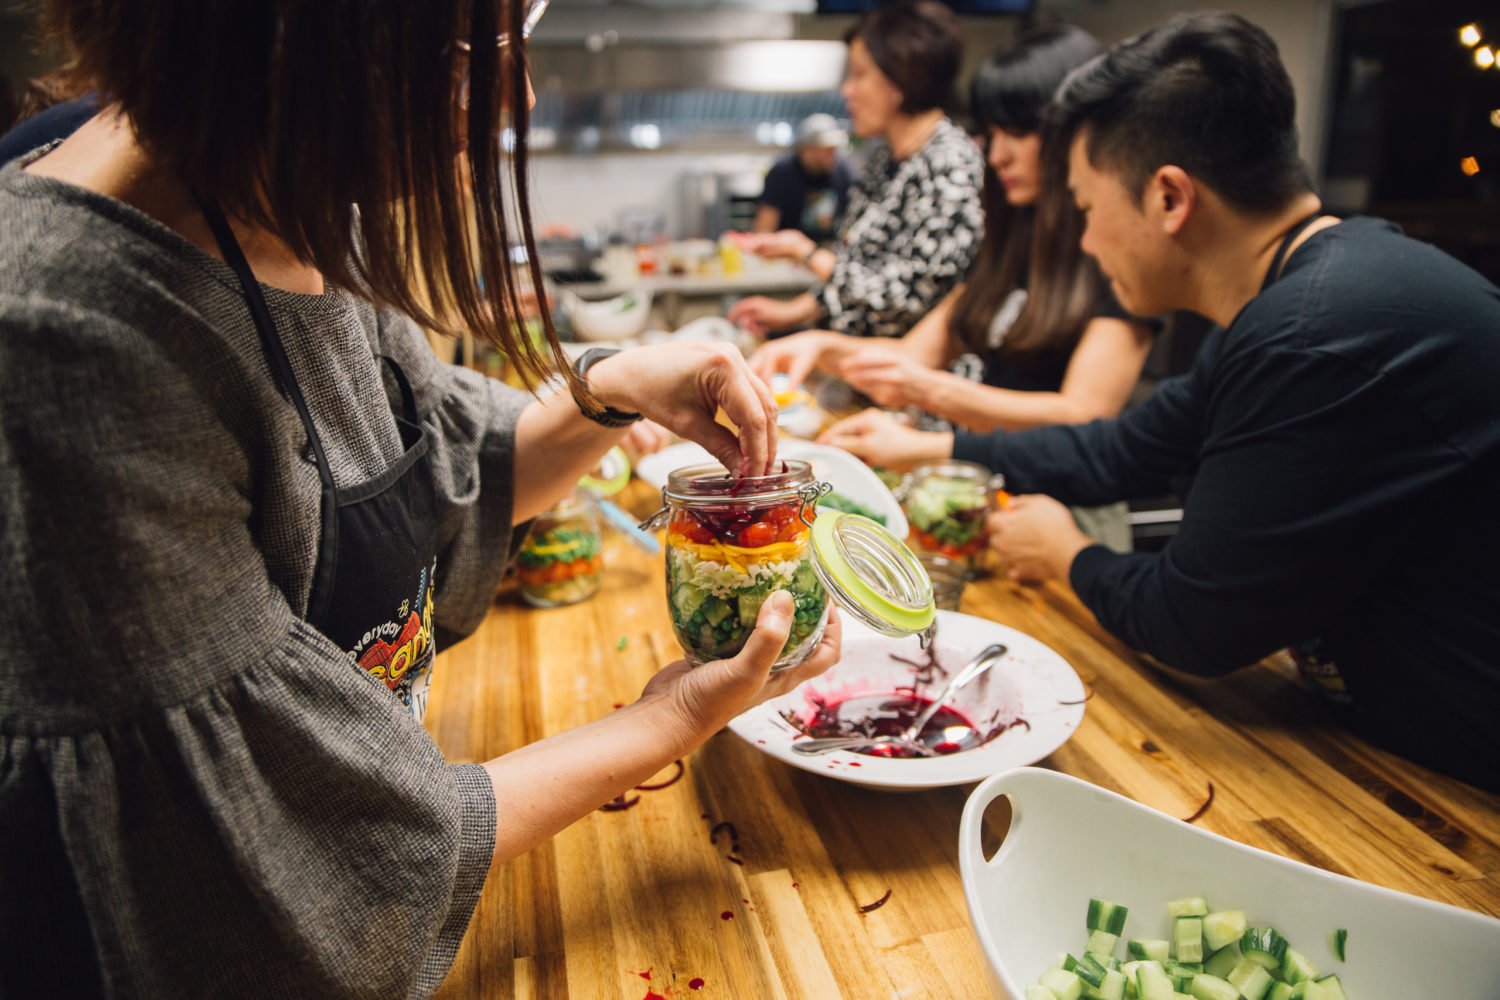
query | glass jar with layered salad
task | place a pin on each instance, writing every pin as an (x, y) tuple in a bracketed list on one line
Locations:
[(730, 544), (946, 504), (561, 561)]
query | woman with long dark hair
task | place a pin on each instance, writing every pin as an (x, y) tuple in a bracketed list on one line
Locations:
[(1034, 308), (243, 502)]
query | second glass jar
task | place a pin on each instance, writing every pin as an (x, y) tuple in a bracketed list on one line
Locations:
[(946, 504)]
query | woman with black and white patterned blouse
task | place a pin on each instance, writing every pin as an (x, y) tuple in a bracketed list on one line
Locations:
[(915, 217)]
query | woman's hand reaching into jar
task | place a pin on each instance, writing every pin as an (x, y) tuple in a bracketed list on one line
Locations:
[(683, 385)]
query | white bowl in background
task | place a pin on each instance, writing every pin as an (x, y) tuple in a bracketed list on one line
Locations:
[(841, 470), (619, 318), (1070, 841), (1031, 682)]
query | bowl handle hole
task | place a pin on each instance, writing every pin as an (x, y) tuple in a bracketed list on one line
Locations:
[(994, 826)]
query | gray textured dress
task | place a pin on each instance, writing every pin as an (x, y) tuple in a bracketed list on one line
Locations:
[(199, 794)]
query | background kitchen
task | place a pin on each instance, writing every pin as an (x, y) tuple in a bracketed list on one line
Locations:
[(656, 121)]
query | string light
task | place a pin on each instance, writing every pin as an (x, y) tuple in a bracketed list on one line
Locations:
[(1495, 117), (1484, 57), (1469, 35), (1469, 165)]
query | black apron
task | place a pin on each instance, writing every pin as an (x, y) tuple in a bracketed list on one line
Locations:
[(1318, 670), (372, 586)]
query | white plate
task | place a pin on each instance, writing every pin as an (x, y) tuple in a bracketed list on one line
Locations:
[(845, 473), (1070, 841), (1030, 683)]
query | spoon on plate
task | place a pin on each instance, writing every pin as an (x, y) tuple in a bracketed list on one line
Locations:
[(911, 737)]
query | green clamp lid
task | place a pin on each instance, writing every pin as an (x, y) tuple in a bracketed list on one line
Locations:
[(872, 574), (609, 477)]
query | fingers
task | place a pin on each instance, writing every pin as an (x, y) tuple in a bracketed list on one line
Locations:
[(768, 361), (772, 626), (799, 365), (771, 410), (748, 403)]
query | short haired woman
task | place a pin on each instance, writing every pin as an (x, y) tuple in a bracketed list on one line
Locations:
[(243, 502), (914, 217)]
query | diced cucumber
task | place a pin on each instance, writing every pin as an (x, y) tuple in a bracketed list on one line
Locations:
[(1221, 961), (1310, 990), (715, 610), (1068, 963), (1334, 987), (1101, 943), (1107, 916), (1279, 991), (1264, 946), (1036, 992), (687, 598), (1336, 940), (1063, 984), (1206, 987), (1191, 906), (1184, 967), (1250, 978), (1150, 948), (749, 606), (1090, 969), (1187, 938), (1151, 983), (1295, 967), (1182, 980), (1112, 987), (1223, 927)]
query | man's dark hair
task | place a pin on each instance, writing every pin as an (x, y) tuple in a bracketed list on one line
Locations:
[(1205, 92), (917, 46)]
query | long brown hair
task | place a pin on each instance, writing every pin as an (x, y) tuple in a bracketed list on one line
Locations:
[(334, 125), (1036, 247)]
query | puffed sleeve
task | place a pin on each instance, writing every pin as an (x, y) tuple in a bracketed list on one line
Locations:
[(199, 794), (471, 420)]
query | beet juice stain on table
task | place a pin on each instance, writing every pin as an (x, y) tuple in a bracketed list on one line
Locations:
[(622, 892)]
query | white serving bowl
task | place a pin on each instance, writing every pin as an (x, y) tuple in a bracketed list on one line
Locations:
[(619, 318), (1031, 682), (1070, 841)]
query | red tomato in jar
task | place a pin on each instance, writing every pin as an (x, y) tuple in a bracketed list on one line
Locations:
[(689, 527), (759, 534)]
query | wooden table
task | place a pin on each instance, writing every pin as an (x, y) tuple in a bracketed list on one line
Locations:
[(646, 904)]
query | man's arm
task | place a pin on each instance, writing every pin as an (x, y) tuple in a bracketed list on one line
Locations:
[(1104, 461), (1309, 470)]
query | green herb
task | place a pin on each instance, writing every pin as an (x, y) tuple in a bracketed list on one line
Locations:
[(620, 646)]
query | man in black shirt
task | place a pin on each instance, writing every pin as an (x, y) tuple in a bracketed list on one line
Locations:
[(807, 190), (1341, 427)]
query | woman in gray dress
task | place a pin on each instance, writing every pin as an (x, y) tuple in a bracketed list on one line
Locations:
[(243, 503)]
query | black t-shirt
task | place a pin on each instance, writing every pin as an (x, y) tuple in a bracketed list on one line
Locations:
[(1343, 434), (1043, 370), (815, 205)]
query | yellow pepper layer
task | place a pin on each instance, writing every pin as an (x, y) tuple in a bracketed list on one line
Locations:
[(738, 556)]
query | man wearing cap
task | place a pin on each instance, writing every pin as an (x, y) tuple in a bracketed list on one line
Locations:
[(808, 189)]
